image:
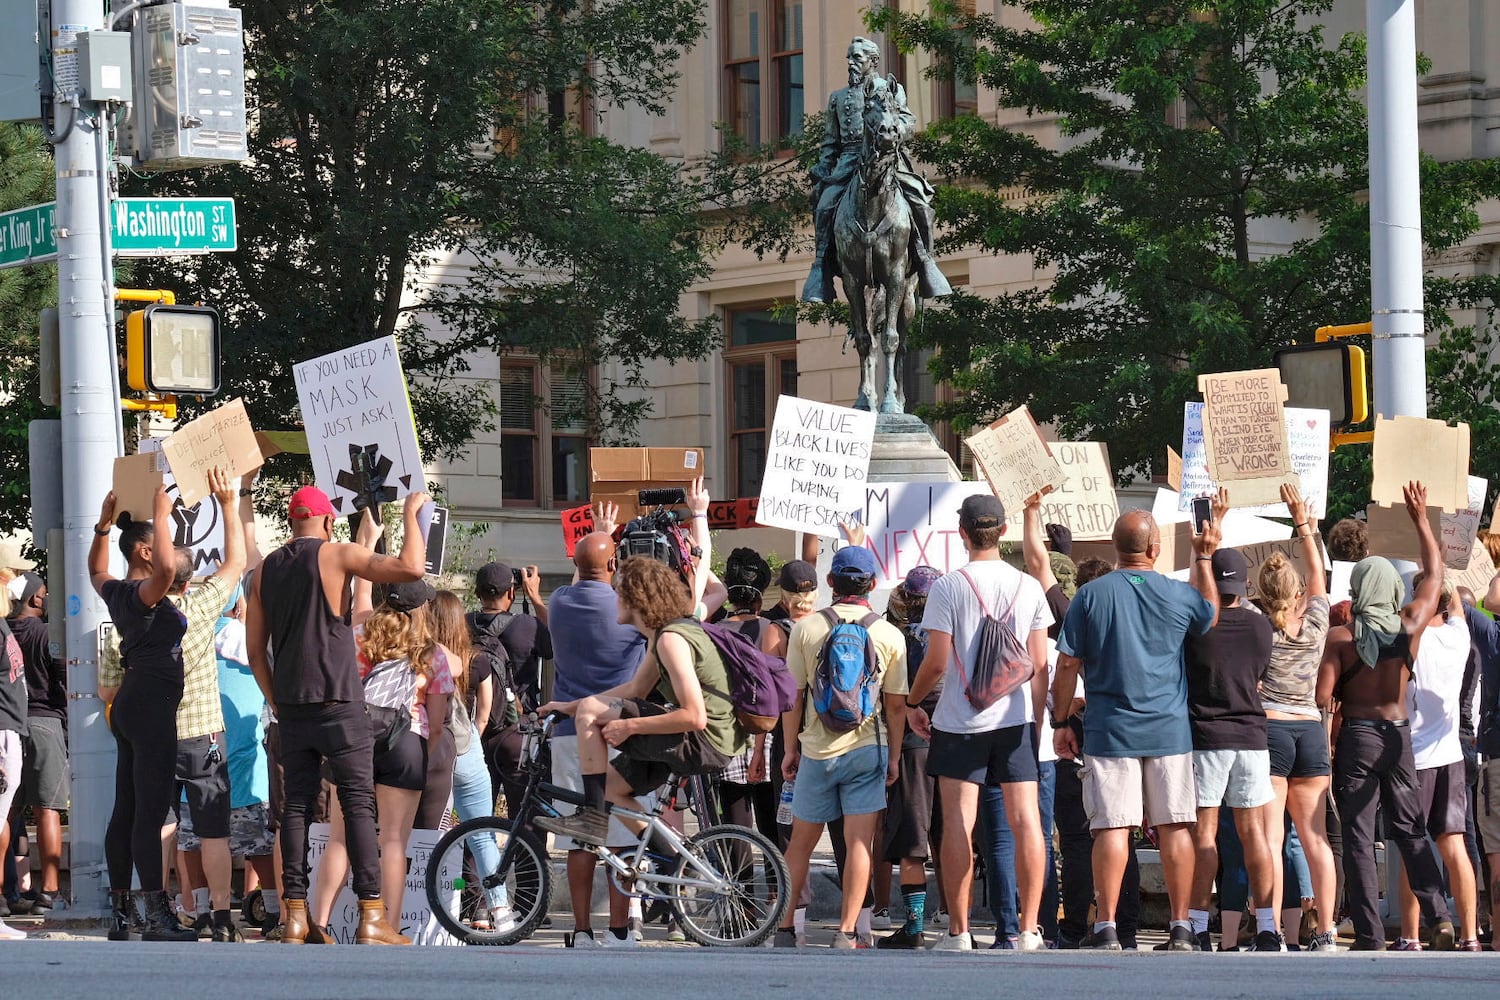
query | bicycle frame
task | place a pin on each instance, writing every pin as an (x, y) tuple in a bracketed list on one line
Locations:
[(539, 796)]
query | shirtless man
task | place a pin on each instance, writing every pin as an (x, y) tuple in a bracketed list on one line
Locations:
[(1366, 668)]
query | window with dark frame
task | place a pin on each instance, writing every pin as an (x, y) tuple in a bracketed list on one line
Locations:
[(955, 98), (761, 364), (544, 435), (764, 85)]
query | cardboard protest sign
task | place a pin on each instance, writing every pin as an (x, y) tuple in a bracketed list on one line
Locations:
[(417, 921), (1175, 558), (1174, 468), (1308, 435), (432, 520), (1477, 575), (1013, 458), (1085, 503), (909, 525), (617, 475), (816, 465), (1258, 554), (221, 438), (360, 432), (1429, 451), (1244, 439), (136, 480), (1460, 527), (1391, 533)]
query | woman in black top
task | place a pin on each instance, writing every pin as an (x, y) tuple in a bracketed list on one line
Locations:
[(143, 715)]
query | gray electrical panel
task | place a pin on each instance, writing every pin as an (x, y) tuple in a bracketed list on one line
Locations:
[(189, 88), (20, 61), (104, 66)]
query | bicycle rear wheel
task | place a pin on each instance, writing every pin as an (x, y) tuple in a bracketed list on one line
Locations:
[(758, 888), (462, 896)]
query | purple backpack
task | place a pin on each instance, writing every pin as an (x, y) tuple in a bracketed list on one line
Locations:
[(760, 686)]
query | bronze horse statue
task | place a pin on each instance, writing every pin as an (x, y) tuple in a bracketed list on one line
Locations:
[(872, 233)]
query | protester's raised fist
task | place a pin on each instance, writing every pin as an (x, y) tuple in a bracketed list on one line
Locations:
[(416, 501)]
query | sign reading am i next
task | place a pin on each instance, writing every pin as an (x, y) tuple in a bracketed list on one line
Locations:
[(139, 227)]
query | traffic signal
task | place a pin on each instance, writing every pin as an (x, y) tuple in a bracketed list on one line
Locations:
[(1327, 376), (173, 350)]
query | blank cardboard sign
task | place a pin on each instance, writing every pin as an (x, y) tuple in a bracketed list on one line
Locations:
[(1392, 534), (136, 480), (1429, 451)]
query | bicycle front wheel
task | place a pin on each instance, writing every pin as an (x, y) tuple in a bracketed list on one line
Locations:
[(476, 902), (755, 894)]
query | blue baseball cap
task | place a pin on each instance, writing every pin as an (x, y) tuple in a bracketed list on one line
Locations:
[(853, 560)]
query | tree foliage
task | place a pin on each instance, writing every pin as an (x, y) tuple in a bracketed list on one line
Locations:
[(1194, 188), (376, 201)]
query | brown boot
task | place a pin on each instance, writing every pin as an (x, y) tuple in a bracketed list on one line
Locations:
[(320, 935), (372, 926), (294, 924)]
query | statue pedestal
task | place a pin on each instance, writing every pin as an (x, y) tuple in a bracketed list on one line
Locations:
[(905, 451)]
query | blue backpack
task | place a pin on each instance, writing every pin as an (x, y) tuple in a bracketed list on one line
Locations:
[(843, 681)]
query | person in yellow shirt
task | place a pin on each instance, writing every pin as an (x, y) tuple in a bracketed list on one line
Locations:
[(842, 751)]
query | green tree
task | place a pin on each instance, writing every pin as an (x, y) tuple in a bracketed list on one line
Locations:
[(26, 178), (375, 201), (1195, 188)]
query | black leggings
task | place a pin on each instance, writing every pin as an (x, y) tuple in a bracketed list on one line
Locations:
[(144, 721)]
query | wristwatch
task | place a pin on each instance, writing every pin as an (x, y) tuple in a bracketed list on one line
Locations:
[(1062, 723)]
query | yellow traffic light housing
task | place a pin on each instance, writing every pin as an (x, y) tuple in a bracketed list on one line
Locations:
[(173, 349), (1328, 376)]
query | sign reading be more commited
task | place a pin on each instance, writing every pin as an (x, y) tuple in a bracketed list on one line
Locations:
[(816, 466), (1244, 433)]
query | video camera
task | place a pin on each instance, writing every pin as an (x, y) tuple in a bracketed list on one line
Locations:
[(658, 533)]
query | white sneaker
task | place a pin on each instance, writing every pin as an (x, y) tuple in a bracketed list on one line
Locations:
[(880, 920), (8, 933), (1031, 941), (610, 941), (954, 942), (586, 939), (938, 919), (502, 919)]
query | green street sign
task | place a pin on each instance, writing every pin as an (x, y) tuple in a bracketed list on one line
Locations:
[(28, 235), (154, 227), (141, 227)]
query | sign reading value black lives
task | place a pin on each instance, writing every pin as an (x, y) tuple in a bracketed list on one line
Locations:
[(816, 466), (360, 433)]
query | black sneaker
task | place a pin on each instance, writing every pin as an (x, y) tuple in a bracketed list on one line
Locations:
[(1268, 941), (223, 930), (1103, 939), (1182, 939), (40, 900), (903, 939), (1205, 943), (786, 937)]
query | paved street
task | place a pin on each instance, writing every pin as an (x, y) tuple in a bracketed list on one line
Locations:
[(62, 970)]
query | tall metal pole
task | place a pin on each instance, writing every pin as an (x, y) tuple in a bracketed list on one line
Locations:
[(90, 408), (1400, 354)]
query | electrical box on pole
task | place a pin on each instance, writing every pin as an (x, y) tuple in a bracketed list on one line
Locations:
[(20, 61), (189, 106)]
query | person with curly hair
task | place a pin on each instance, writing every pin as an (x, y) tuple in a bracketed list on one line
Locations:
[(659, 720)]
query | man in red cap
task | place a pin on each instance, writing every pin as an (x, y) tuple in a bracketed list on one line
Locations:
[(300, 609)]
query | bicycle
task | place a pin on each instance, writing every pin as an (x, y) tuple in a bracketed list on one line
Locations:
[(727, 885)]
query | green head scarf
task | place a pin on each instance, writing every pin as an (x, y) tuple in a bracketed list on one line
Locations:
[(1377, 592)]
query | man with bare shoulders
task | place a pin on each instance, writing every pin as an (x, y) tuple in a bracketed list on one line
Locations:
[(1366, 668), (300, 612)]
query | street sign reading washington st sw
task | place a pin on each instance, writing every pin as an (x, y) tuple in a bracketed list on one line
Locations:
[(140, 227)]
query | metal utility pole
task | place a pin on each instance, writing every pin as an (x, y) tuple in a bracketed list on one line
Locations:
[(1399, 340), (90, 409)]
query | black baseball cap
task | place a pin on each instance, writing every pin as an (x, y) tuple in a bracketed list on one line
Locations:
[(1231, 572), (407, 597), (798, 577), (981, 511), (494, 579)]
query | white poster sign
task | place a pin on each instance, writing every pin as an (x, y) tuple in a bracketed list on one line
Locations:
[(816, 466), (909, 525), (1307, 432), (417, 921), (1459, 529), (200, 528), (360, 432)]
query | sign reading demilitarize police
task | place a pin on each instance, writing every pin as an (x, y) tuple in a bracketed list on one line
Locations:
[(816, 466), (360, 433)]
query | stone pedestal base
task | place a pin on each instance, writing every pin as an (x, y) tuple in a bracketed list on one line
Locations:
[(905, 451)]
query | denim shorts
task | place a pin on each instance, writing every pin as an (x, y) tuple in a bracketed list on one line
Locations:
[(850, 784)]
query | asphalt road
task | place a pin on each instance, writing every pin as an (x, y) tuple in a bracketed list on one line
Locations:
[(63, 970)]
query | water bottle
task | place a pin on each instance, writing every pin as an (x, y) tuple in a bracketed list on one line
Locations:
[(784, 810)]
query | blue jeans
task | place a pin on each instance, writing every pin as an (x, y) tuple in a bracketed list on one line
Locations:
[(999, 848), (473, 796)]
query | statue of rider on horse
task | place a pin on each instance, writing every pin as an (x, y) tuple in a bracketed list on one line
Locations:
[(873, 221)]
